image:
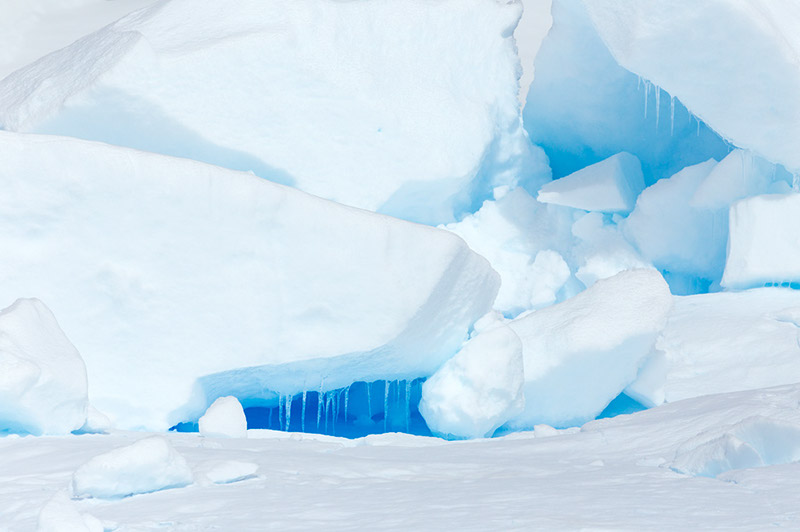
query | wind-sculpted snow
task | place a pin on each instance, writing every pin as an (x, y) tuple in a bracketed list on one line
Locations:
[(164, 270), (42, 377), (584, 107), (734, 64), (580, 354), (408, 108)]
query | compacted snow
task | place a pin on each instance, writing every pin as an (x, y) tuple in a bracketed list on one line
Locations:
[(419, 265)]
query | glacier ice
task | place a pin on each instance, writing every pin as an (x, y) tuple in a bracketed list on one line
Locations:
[(580, 354), (147, 465), (764, 243), (611, 185), (167, 270), (739, 73), (225, 417), (583, 106), (479, 389), (43, 388), (335, 98)]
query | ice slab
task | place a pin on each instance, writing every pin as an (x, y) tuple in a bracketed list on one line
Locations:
[(43, 388), (167, 270), (479, 389), (580, 354), (764, 243), (150, 464), (610, 185), (739, 73), (344, 100)]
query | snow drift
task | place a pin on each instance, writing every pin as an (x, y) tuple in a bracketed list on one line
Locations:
[(340, 99), (167, 270)]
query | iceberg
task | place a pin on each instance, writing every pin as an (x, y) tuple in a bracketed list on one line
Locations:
[(339, 99), (168, 272)]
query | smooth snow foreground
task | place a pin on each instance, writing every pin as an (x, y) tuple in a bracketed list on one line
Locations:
[(714, 462), (164, 270)]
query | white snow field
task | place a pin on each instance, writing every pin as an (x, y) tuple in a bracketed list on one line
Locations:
[(381, 265), (165, 270), (335, 98), (613, 474)]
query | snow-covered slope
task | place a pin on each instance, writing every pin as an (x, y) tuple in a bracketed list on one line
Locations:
[(162, 270), (405, 108)]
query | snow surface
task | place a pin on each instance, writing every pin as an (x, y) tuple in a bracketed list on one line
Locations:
[(150, 464), (580, 354), (43, 386), (221, 271), (740, 73), (335, 98), (225, 417), (612, 185), (613, 474)]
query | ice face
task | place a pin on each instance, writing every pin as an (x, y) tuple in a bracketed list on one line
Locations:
[(223, 271), (347, 108), (740, 73), (584, 107), (43, 387)]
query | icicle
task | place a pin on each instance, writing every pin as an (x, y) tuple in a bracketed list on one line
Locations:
[(303, 414), (319, 404), (658, 103), (369, 400), (386, 407), (646, 93), (346, 401), (671, 115), (289, 411), (280, 410), (408, 405), (335, 412), (639, 84)]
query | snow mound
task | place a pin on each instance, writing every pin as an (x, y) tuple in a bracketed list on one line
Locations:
[(764, 244), (150, 464), (225, 417), (226, 471), (340, 99), (43, 388), (61, 515), (727, 342), (580, 354), (611, 185), (525, 241), (753, 442), (477, 390), (740, 73), (226, 277), (583, 107)]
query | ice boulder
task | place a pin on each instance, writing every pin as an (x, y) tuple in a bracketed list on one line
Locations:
[(167, 270), (525, 241), (150, 464), (683, 240), (225, 417), (739, 73), (583, 106), (611, 185), (344, 100), (477, 390), (764, 243), (43, 388), (727, 342), (580, 354)]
